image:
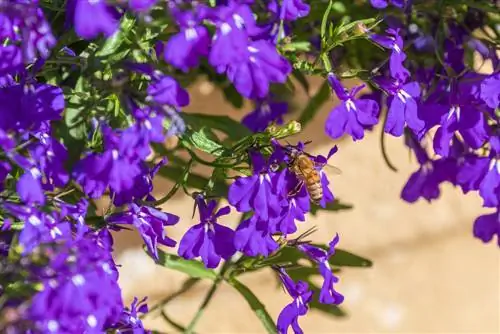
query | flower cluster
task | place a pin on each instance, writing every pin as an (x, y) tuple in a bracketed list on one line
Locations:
[(90, 91)]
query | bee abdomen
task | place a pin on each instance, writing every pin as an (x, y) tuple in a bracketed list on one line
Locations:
[(315, 191)]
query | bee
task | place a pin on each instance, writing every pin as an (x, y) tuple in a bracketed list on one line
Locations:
[(304, 167)]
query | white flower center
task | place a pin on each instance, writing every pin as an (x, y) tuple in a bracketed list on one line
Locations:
[(454, 110), (34, 220), (78, 280), (92, 321), (52, 325), (225, 28), (350, 105), (191, 34), (403, 96), (238, 21)]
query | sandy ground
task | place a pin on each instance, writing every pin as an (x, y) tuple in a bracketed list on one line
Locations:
[(429, 275)]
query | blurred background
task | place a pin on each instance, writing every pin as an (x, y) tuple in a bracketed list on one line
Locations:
[(429, 274)]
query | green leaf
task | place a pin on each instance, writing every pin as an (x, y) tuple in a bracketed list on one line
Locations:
[(324, 22), (193, 268), (296, 46), (232, 96), (343, 258), (200, 139), (113, 44), (232, 128), (315, 104), (256, 305), (197, 181), (72, 114), (336, 205)]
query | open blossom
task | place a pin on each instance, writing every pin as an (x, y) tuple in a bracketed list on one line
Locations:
[(79, 270), (403, 107), (301, 295), (490, 90), (393, 42), (352, 115), (327, 294), (184, 49), (380, 4), (208, 239), (258, 192), (130, 321), (289, 10), (92, 18), (265, 114), (150, 223), (25, 35), (487, 226), (259, 66), (253, 237)]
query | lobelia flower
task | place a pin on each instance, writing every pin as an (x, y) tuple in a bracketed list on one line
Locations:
[(289, 10), (265, 114), (230, 42), (298, 307), (259, 66), (253, 237), (327, 295), (92, 17), (162, 89), (39, 227), (150, 223), (184, 49), (208, 239), (490, 90), (403, 107), (351, 116), (130, 322), (393, 42), (78, 270), (461, 114), (117, 167), (483, 174), (29, 185), (25, 35), (141, 6), (258, 192), (293, 206), (381, 4), (487, 226), (29, 107)]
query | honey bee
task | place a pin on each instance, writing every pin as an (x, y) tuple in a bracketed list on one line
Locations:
[(304, 167)]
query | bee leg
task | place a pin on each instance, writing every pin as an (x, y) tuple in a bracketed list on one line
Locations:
[(297, 188)]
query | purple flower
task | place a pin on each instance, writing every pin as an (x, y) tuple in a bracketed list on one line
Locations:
[(208, 239), (393, 42), (290, 10), (483, 174), (462, 116), (490, 90), (253, 238), (487, 226), (403, 107), (351, 116), (93, 17), (150, 223), (184, 49), (141, 5), (29, 107), (257, 192), (25, 35), (259, 66), (301, 297), (39, 227), (265, 114), (381, 4), (117, 167), (327, 295), (80, 291), (130, 322), (165, 90)]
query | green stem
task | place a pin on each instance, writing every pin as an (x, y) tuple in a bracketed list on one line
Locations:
[(326, 62), (208, 297)]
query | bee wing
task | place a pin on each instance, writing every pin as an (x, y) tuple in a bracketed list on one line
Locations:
[(330, 169)]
